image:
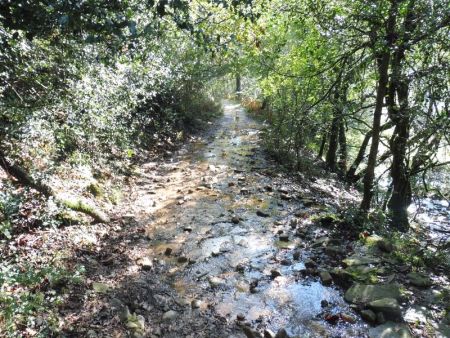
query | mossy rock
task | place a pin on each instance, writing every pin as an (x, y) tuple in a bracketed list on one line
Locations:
[(363, 274), (363, 293), (372, 240), (356, 260), (388, 306), (419, 279)]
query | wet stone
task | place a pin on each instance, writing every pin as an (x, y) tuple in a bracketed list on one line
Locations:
[(262, 213), (235, 220), (332, 318), (390, 330), (269, 334), (302, 233), (281, 334), (253, 286), (341, 277), (240, 317), (348, 318), (240, 268), (388, 306), (326, 278), (170, 315), (182, 259), (275, 273), (369, 316), (249, 333), (245, 191), (284, 238), (145, 263), (168, 251), (285, 197), (309, 263), (307, 202), (293, 223), (296, 255), (324, 303), (286, 262), (195, 304), (215, 281), (381, 319)]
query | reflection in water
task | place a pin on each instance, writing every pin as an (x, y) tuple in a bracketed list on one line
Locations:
[(229, 263)]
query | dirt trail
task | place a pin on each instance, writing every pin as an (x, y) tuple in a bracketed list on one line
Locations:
[(219, 237)]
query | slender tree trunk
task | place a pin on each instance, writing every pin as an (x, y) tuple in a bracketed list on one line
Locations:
[(351, 173), (350, 176), (383, 66), (322, 145), (238, 85), (333, 143), (342, 148), (383, 59)]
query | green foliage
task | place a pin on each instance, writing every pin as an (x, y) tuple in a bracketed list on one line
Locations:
[(410, 251), (24, 209), (26, 300)]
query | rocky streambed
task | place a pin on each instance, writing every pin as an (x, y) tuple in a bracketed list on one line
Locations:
[(218, 242)]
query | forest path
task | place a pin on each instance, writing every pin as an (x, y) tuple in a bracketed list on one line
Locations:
[(222, 239)]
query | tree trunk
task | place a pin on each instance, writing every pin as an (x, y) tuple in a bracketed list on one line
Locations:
[(383, 66), (342, 148), (383, 58), (351, 173), (23, 178), (350, 176), (400, 116), (333, 143), (238, 85), (322, 145)]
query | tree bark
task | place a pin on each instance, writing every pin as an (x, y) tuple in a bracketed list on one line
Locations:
[(383, 66), (238, 85), (322, 145), (383, 58), (351, 173), (333, 142), (342, 164), (400, 116)]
